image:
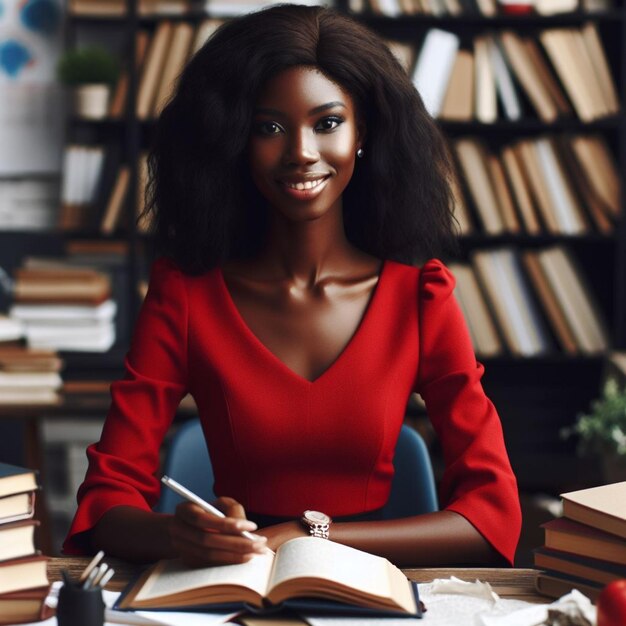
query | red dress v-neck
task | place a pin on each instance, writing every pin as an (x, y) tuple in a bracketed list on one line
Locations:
[(280, 443)]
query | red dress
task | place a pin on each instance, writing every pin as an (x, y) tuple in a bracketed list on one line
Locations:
[(280, 444)]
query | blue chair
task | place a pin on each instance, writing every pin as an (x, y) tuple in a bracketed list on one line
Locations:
[(412, 489)]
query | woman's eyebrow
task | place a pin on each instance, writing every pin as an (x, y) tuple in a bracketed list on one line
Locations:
[(313, 111)]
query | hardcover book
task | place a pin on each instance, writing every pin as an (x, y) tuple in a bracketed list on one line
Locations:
[(602, 507), (14, 479), (306, 572)]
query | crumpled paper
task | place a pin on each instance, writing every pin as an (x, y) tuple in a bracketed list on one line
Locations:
[(481, 606), (477, 589), (572, 609)]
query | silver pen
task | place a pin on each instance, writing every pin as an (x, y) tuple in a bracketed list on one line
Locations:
[(203, 504)]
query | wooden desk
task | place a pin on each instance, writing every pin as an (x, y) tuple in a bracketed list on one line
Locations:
[(508, 583)]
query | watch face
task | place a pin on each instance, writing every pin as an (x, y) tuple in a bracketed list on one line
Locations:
[(316, 517)]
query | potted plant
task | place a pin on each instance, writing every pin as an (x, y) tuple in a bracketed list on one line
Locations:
[(89, 72), (602, 431)]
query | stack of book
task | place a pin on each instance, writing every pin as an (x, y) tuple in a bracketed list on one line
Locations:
[(64, 307), (29, 376), (23, 571), (586, 548)]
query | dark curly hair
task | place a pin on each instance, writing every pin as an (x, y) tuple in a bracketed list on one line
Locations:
[(200, 197)]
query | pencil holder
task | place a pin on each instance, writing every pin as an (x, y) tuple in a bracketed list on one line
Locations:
[(80, 607)]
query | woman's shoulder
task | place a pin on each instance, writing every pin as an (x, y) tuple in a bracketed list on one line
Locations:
[(434, 278)]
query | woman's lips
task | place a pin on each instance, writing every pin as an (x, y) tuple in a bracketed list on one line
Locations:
[(311, 188)]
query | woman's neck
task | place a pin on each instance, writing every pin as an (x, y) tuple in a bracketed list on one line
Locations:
[(307, 252)]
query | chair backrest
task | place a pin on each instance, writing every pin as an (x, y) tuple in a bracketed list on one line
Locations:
[(412, 489), (187, 461)]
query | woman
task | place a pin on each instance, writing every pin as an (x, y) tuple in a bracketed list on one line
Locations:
[(294, 178)]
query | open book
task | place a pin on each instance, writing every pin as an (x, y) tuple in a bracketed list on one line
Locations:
[(337, 577)]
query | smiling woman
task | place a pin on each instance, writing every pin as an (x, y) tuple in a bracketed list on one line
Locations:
[(296, 181), (303, 144)]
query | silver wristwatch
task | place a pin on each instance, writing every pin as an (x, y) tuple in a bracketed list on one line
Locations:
[(318, 523)]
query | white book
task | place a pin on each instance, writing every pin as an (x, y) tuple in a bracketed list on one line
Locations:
[(18, 380), (10, 329), (31, 396), (96, 163), (561, 196), (522, 334), (68, 170), (434, 68), (64, 312), (504, 82), (552, 7), (486, 106), (534, 335), (390, 8), (93, 344), (38, 333)]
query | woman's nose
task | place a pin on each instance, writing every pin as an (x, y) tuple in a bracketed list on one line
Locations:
[(301, 148)]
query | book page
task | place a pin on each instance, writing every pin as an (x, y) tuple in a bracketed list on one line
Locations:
[(319, 558), (171, 577)]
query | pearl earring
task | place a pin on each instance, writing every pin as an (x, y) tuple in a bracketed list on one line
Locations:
[(360, 152)]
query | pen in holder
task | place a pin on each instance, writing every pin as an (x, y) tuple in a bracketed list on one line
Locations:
[(80, 602), (78, 606)]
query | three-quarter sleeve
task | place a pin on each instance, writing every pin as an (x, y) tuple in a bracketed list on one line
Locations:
[(123, 464), (478, 481)]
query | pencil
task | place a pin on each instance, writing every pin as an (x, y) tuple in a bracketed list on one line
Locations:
[(203, 504), (96, 559)]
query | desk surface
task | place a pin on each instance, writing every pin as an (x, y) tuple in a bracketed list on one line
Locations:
[(508, 583)]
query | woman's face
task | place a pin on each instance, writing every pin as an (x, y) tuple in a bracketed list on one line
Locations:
[(303, 143)]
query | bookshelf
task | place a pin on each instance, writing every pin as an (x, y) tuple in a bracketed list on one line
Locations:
[(535, 396)]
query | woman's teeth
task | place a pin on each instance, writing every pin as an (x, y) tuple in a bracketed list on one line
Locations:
[(309, 184)]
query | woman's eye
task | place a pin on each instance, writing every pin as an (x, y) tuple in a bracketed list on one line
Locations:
[(268, 128), (330, 123)]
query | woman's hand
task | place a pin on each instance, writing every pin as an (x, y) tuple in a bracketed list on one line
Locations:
[(201, 538)]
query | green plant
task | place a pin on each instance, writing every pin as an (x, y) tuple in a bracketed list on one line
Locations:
[(602, 431), (87, 66)]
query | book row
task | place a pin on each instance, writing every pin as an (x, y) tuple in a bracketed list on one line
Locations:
[(560, 72), (528, 303), (387, 8), (584, 549), (558, 184)]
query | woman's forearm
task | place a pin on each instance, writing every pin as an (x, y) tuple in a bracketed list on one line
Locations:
[(430, 540), (133, 534)]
